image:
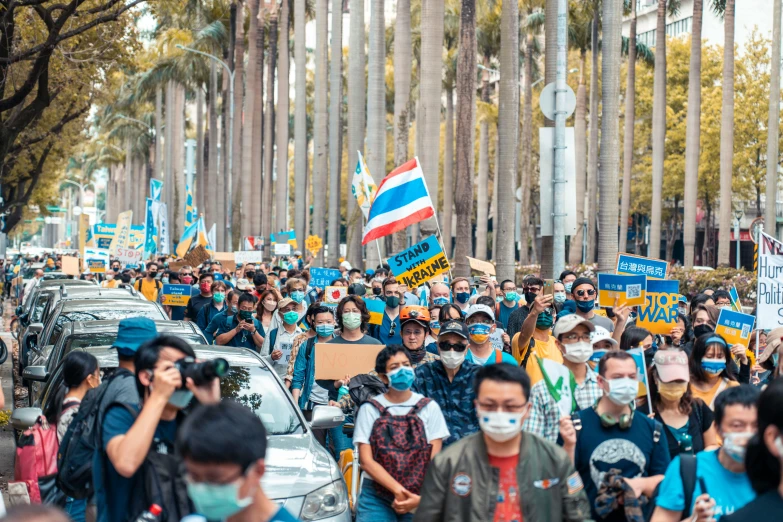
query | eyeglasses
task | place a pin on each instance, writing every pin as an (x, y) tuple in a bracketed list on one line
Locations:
[(582, 293), (533, 289), (509, 408), (447, 346), (572, 337)]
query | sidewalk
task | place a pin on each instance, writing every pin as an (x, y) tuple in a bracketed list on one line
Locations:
[(7, 446)]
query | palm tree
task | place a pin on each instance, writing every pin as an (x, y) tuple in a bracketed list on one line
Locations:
[(335, 131), (250, 140), (281, 189), (610, 151), (376, 103), (466, 92), (526, 139), (630, 100), (257, 169), (659, 138), (269, 130), (592, 150), (403, 58), (451, 38), (212, 178), (300, 121), (772, 126), (320, 144), (356, 114), (430, 85), (238, 187), (726, 136), (508, 129)]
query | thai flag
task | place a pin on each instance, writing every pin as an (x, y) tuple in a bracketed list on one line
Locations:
[(402, 200)]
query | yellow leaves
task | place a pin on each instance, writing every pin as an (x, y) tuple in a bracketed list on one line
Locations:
[(168, 39)]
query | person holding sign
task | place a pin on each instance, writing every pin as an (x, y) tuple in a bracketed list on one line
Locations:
[(528, 348), (280, 341), (711, 368), (585, 294), (242, 330), (388, 332)]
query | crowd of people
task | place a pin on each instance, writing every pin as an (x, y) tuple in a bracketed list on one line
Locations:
[(487, 401)]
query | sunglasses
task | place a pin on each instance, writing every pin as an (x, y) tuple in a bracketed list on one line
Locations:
[(582, 293), (391, 330), (447, 346)]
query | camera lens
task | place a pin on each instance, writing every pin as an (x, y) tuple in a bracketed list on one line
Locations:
[(202, 372)]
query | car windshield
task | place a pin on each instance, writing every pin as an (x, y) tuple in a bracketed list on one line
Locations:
[(49, 277), (98, 314), (256, 388)]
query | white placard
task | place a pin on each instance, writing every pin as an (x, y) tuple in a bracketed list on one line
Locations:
[(129, 256), (248, 256), (282, 249)]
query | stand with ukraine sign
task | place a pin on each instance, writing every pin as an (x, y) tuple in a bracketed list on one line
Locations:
[(420, 263)]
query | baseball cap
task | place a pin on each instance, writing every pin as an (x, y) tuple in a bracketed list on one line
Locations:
[(682, 299), (672, 365), (568, 323), (132, 333), (479, 309), (244, 284), (284, 302), (602, 334), (455, 327)]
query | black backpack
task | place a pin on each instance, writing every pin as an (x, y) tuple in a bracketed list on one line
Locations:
[(364, 387), (74, 458)]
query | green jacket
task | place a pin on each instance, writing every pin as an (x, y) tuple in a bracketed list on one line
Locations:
[(460, 485)]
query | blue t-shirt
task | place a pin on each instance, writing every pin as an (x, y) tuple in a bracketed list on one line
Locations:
[(178, 313), (632, 451), (492, 359), (731, 491), (386, 327), (114, 495), (505, 313)]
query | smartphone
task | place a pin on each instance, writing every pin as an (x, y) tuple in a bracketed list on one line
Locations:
[(702, 485), (549, 287)]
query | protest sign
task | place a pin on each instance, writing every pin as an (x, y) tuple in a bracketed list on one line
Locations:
[(376, 308), (481, 266), (176, 295), (70, 265), (314, 244), (196, 256), (622, 289), (176, 266), (735, 327), (419, 263), (121, 237), (129, 256), (333, 294), (769, 289), (659, 313), (282, 249), (641, 373), (96, 259), (102, 235), (335, 361), (226, 260), (288, 236), (630, 264), (248, 256), (323, 277)]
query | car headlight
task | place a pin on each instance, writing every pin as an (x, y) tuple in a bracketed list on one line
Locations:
[(327, 501)]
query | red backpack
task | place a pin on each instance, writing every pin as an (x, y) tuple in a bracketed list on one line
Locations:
[(399, 444)]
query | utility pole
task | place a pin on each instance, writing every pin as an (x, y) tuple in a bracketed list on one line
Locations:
[(561, 112)]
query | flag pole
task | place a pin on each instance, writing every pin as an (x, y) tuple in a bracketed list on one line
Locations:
[(380, 258), (435, 217)]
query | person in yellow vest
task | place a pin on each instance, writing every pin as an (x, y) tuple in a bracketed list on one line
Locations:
[(111, 280), (149, 286)]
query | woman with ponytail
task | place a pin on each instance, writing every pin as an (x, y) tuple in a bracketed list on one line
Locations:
[(80, 374)]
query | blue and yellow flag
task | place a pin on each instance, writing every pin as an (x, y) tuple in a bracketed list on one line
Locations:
[(194, 235), (376, 308), (190, 213), (286, 236)]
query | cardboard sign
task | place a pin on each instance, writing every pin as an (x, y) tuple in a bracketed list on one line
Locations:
[(630, 264), (283, 249), (70, 265), (196, 256), (659, 313), (625, 289), (226, 260), (419, 263), (481, 266), (248, 256), (176, 266), (735, 327), (121, 238), (335, 361), (176, 295), (129, 256), (376, 308), (323, 277), (334, 294)]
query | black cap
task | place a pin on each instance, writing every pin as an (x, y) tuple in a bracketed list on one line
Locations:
[(454, 326), (583, 281)]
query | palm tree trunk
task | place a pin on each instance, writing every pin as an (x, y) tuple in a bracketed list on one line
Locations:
[(526, 144), (356, 114), (178, 202), (300, 120), (494, 204), (692, 131), (630, 116), (283, 107), (269, 133), (212, 177), (320, 127), (448, 170), (580, 152), (592, 150), (403, 58), (199, 181), (376, 104), (482, 180), (257, 168), (249, 138), (659, 137), (168, 143), (158, 134), (126, 189), (773, 125), (550, 74), (239, 184), (610, 131), (726, 137), (430, 89), (466, 93), (335, 132)]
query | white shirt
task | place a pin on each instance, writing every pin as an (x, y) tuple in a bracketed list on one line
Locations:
[(28, 288), (283, 342), (434, 423)]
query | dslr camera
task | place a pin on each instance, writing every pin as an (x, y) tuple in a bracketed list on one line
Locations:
[(201, 372)]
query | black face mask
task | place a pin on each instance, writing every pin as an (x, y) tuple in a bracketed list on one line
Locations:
[(249, 275), (376, 291), (417, 355), (702, 329), (530, 297)]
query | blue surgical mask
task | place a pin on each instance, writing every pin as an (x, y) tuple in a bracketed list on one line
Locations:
[(512, 296), (324, 330), (713, 366), (402, 378), (164, 280), (181, 398), (297, 296), (463, 297), (217, 501), (560, 297), (440, 301), (291, 317), (234, 309), (568, 287), (585, 306)]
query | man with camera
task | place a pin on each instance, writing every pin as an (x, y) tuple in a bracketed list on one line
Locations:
[(139, 464)]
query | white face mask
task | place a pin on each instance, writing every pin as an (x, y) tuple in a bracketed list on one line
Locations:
[(623, 391), (500, 426), (578, 352), (452, 359), (736, 444)]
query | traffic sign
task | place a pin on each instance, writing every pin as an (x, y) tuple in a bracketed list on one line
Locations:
[(546, 101)]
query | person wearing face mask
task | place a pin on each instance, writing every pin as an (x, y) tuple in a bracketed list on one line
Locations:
[(528, 348), (502, 471), (391, 493), (680, 334), (225, 467), (278, 344), (722, 472), (532, 287), (612, 437), (225, 320), (352, 320), (705, 319), (241, 329), (460, 290), (602, 342), (688, 421), (585, 294), (722, 299), (149, 286), (559, 294), (711, 369), (209, 311), (439, 294), (434, 328), (186, 275), (510, 302), (568, 277), (200, 300), (132, 432), (480, 320), (682, 304), (573, 338), (389, 330), (111, 280), (764, 460), (266, 309)]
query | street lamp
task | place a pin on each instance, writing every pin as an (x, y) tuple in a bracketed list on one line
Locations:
[(230, 146), (738, 217)]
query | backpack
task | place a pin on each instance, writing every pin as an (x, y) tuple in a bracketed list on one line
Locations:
[(364, 387), (399, 444), (140, 282), (161, 480), (688, 478), (74, 459), (35, 465)]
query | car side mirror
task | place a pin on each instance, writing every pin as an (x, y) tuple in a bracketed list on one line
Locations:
[(3, 351), (24, 418), (19, 310), (325, 417), (35, 373)]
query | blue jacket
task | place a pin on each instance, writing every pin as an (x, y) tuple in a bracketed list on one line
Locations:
[(222, 323), (206, 314), (304, 374)]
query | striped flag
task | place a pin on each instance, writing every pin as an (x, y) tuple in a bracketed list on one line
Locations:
[(402, 200)]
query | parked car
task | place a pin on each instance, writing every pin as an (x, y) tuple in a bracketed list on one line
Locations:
[(301, 474)]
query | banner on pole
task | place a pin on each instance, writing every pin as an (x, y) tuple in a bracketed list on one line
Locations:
[(150, 245), (156, 189), (735, 327), (419, 263), (659, 313), (625, 289), (630, 264), (102, 235), (163, 246)]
